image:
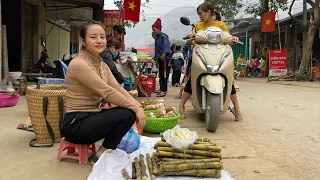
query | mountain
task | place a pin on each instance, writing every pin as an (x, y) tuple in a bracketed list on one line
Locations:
[(140, 35)]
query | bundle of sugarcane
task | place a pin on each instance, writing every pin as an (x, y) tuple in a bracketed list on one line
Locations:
[(201, 159)]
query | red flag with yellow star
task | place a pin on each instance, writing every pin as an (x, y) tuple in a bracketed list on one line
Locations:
[(268, 22), (132, 10)]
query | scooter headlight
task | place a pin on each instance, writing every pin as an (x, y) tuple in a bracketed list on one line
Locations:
[(214, 37), (213, 68)]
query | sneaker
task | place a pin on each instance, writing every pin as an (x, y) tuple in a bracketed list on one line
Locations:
[(94, 159)]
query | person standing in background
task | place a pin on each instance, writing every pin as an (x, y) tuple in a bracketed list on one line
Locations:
[(118, 32), (177, 62), (173, 50), (162, 55)]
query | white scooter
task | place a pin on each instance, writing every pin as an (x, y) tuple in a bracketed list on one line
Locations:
[(211, 73)]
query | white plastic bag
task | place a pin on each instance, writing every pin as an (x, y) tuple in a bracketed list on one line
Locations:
[(180, 143)]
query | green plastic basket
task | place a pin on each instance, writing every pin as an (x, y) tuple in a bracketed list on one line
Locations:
[(159, 125)]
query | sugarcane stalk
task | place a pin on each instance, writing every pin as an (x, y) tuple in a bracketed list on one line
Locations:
[(205, 147), (192, 146), (213, 173), (190, 166), (125, 174), (182, 161), (191, 152), (154, 166), (143, 167), (162, 144), (200, 139), (152, 176), (134, 174), (206, 143), (138, 168), (178, 155)]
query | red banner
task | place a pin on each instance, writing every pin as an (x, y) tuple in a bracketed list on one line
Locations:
[(278, 62), (111, 18)]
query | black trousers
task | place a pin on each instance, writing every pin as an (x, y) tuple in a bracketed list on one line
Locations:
[(176, 77), (163, 80), (90, 127)]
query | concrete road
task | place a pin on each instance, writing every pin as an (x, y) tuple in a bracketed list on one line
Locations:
[(278, 139)]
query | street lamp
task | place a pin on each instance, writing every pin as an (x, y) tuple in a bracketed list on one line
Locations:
[(244, 24)]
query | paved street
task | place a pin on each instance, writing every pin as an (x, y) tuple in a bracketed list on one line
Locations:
[(278, 139)]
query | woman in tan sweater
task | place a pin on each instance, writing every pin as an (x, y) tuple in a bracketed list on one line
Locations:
[(89, 81)]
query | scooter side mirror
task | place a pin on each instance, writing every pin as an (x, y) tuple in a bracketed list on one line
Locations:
[(185, 21)]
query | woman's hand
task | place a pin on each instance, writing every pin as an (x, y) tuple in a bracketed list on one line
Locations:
[(163, 57), (190, 35), (235, 39), (141, 118)]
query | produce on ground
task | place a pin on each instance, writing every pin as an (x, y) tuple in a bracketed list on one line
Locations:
[(125, 174), (149, 162), (138, 168), (164, 113), (143, 167), (201, 159)]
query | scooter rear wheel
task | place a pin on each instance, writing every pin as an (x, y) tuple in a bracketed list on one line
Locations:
[(212, 112)]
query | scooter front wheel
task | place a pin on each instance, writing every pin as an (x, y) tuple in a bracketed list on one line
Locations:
[(212, 112)]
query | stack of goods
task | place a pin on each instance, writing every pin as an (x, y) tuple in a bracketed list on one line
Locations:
[(164, 113), (200, 159), (157, 104), (159, 117)]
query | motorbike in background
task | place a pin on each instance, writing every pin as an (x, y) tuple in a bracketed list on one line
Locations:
[(42, 66)]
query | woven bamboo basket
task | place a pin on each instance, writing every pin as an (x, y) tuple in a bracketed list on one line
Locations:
[(34, 98)]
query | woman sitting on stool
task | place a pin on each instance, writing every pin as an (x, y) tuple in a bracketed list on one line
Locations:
[(89, 81)]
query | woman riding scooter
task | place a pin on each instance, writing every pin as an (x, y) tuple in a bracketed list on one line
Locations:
[(209, 17)]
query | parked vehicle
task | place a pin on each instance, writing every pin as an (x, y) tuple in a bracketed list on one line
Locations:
[(42, 66)]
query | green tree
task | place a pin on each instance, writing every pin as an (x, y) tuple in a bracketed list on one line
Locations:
[(259, 7), (309, 26), (228, 8)]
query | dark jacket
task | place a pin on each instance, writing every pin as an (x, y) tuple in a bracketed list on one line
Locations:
[(106, 55), (187, 51), (162, 46), (177, 61)]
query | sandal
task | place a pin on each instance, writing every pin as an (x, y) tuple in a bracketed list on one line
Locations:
[(162, 94), (178, 97)]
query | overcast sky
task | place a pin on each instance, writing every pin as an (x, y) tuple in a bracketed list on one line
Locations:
[(161, 7)]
